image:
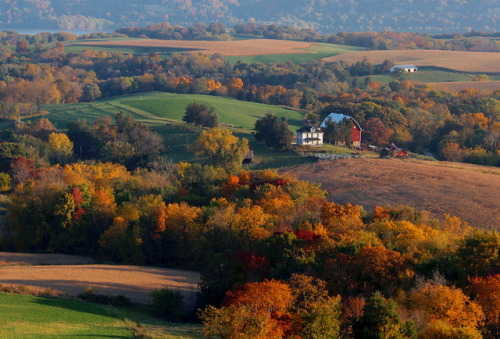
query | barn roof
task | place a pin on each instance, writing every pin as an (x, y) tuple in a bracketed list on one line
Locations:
[(337, 117)]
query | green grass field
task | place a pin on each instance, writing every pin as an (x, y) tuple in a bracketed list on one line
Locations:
[(321, 50), (160, 108), (36, 317)]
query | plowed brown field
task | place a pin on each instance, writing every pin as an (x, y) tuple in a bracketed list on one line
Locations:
[(134, 282), (467, 191), (484, 62), (227, 48), (460, 85)]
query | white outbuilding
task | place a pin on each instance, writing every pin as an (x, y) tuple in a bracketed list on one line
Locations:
[(404, 68)]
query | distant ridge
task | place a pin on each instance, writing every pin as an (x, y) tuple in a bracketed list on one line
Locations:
[(326, 16)]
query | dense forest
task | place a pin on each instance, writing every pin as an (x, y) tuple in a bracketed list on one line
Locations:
[(326, 16)]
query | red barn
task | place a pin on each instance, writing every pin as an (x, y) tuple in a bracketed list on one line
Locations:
[(356, 128)]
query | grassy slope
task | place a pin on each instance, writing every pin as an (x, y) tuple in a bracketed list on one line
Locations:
[(164, 112), (34, 317), (321, 50), (160, 108)]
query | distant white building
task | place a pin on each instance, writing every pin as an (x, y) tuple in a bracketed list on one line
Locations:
[(404, 68), (310, 136)]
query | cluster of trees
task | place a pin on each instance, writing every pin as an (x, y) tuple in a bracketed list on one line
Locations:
[(163, 30), (31, 146), (376, 40), (277, 258)]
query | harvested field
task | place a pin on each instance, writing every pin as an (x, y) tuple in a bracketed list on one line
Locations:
[(460, 85), (134, 282), (482, 62), (227, 48), (467, 191), (10, 258)]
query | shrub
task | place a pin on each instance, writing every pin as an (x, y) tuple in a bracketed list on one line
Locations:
[(118, 301), (4, 182), (167, 303)]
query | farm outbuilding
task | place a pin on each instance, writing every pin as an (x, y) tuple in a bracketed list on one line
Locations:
[(356, 128), (393, 151), (404, 68)]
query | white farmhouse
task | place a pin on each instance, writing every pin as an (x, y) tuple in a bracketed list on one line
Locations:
[(404, 68), (310, 136)]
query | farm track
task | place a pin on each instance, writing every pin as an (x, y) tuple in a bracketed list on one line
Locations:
[(467, 191)]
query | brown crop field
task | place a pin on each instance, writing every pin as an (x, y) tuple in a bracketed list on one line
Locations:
[(467, 191), (134, 282), (226, 48), (482, 62), (460, 85)]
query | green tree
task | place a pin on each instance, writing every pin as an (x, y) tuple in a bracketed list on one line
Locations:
[(381, 320), (339, 133), (90, 92), (274, 132), (200, 115)]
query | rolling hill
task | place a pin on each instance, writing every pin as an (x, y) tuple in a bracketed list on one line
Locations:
[(160, 108), (467, 191)]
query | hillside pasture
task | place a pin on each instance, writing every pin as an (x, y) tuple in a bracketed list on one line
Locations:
[(25, 316), (474, 62), (320, 50), (160, 108), (468, 191)]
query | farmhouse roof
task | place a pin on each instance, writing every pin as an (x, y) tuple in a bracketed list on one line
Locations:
[(404, 66), (309, 129), (337, 117)]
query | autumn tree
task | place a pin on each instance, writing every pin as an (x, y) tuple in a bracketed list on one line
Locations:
[(60, 146), (376, 132), (486, 292), (265, 307), (222, 148), (445, 309)]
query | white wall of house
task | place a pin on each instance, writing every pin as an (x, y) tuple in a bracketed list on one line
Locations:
[(310, 138)]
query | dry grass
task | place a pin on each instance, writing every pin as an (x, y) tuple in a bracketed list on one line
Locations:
[(460, 85), (227, 48), (483, 62), (467, 191), (133, 282), (30, 290)]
